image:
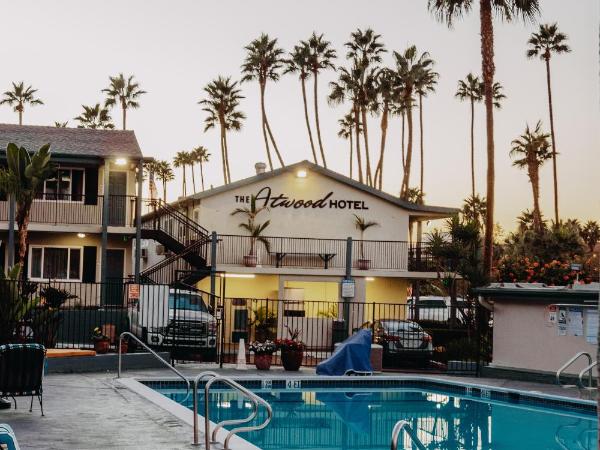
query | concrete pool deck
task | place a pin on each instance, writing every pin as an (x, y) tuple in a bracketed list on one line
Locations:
[(94, 411)]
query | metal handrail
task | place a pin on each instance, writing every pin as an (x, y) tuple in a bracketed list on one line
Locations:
[(405, 425), (568, 363), (255, 399), (157, 356), (587, 369)]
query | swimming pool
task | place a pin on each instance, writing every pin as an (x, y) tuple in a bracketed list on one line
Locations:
[(357, 416)]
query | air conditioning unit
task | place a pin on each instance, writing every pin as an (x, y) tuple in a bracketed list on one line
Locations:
[(144, 253), (160, 249)]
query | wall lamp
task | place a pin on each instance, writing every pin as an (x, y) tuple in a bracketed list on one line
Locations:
[(121, 161), (301, 173)]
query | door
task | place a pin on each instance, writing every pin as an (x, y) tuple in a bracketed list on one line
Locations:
[(115, 261), (117, 191)]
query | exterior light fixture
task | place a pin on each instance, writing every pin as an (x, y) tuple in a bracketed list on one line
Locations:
[(121, 161), (370, 278), (81, 235), (237, 275), (301, 173)]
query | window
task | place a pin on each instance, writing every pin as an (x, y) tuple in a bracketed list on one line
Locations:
[(58, 263), (67, 185)]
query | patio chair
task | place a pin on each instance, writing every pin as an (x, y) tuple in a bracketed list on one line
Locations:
[(22, 371), (8, 440)]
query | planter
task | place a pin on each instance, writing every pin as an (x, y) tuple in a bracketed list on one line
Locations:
[(364, 264), (263, 361), (101, 346), (291, 359), (250, 260)]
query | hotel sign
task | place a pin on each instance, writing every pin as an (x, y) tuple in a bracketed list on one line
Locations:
[(266, 198)]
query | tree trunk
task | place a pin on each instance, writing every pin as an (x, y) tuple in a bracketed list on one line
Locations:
[(193, 178), (20, 117), (268, 127), (554, 168), (223, 156), (315, 74), (472, 147), (384, 127), (488, 69), (363, 111), (421, 141), (403, 146), (184, 181), (124, 117), (357, 132), (310, 138), (409, 145), (535, 187), (264, 125), (351, 151), (201, 175), (22, 219), (164, 183), (227, 156)]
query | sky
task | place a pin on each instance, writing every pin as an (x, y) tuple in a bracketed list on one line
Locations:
[(67, 50)]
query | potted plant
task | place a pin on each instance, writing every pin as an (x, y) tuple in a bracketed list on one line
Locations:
[(47, 317), (101, 341), (254, 229), (264, 322), (292, 350), (363, 225), (263, 354)]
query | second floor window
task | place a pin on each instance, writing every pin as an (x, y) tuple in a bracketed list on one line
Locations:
[(56, 263), (68, 185)]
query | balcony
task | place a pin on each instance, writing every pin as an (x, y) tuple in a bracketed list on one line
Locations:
[(78, 210), (309, 253)]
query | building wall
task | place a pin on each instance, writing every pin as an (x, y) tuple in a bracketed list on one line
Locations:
[(524, 339)]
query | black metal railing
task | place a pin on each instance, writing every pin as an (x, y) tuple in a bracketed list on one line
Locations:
[(174, 223), (177, 266)]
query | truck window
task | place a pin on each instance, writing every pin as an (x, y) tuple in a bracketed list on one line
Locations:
[(187, 302)]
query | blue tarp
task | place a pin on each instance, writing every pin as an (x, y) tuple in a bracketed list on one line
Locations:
[(352, 356)]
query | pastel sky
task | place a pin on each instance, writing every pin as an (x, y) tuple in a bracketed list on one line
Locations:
[(68, 49)]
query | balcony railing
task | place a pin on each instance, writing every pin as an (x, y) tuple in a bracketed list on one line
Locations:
[(324, 253), (78, 209)]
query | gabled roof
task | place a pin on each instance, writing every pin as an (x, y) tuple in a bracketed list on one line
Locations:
[(419, 210), (75, 142)]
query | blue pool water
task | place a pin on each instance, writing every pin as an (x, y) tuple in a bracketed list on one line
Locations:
[(361, 419)]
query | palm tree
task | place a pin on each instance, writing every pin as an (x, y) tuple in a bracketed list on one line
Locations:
[(263, 61), (451, 10), (348, 88), (386, 95), (321, 58), (363, 225), (409, 69), (345, 132), (124, 92), (20, 96), (471, 89), (473, 210), (61, 124), (365, 49), (191, 162), (201, 156), (165, 174), (94, 117), (590, 233), (221, 104), (544, 43), (299, 62), (533, 150), (182, 160), (399, 108), (425, 84)]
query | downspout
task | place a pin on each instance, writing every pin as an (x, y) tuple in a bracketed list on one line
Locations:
[(138, 222)]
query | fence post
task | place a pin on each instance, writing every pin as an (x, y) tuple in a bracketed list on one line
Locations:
[(348, 276), (213, 267)]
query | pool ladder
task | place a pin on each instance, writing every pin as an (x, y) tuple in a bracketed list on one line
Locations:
[(398, 428), (587, 369), (254, 399)]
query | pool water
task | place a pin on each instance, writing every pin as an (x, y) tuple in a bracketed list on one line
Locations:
[(361, 419)]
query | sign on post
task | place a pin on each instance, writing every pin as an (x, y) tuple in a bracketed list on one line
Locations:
[(133, 291), (348, 288)]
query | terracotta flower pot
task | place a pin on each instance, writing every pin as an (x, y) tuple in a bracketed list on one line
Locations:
[(250, 260), (364, 264), (101, 346), (291, 359), (263, 361)]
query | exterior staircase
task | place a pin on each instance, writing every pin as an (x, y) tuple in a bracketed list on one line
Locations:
[(187, 240)]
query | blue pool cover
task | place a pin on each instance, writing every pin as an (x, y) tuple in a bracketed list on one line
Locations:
[(352, 356)]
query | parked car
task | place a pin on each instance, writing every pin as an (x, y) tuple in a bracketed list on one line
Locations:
[(434, 309), (403, 338), (174, 317)]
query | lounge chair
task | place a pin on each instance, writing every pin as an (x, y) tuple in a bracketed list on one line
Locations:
[(22, 371), (8, 440)]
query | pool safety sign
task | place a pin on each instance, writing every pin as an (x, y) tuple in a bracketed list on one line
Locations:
[(569, 320), (348, 289)]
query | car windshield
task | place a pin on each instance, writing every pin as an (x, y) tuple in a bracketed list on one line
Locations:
[(188, 302), (396, 325)]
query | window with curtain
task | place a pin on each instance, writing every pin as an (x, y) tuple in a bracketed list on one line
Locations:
[(57, 263)]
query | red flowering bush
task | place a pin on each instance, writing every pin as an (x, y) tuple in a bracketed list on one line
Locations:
[(553, 273), (293, 343)]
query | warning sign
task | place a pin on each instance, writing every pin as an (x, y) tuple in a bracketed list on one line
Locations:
[(133, 291)]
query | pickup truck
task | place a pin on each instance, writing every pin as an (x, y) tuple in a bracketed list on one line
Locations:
[(167, 317)]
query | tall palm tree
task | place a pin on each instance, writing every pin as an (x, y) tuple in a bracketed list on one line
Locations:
[(165, 174), (348, 88), (533, 149), (298, 62), (321, 58), (471, 89), (191, 162), (201, 156), (221, 105), (95, 117), (365, 49), (264, 60), (125, 92), (543, 44), (473, 210), (409, 69), (181, 160), (345, 132), (425, 84), (451, 10), (386, 86), (399, 109), (19, 96)]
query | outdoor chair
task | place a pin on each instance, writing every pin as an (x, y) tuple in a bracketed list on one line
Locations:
[(22, 371), (8, 440)]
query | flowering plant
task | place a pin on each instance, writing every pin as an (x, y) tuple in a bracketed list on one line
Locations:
[(97, 335), (293, 343), (553, 273), (263, 348)]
